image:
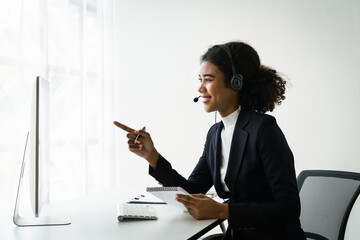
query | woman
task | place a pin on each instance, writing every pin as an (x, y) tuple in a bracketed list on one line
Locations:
[(246, 156)]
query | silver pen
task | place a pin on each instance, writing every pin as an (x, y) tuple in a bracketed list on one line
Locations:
[(137, 137)]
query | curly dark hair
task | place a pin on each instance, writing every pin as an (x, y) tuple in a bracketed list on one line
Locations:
[(263, 87)]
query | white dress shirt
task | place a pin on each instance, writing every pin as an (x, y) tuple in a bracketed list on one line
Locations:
[(226, 138)]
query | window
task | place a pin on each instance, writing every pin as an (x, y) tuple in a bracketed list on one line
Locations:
[(61, 40)]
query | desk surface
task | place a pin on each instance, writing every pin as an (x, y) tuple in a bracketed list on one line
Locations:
[(95, 217)]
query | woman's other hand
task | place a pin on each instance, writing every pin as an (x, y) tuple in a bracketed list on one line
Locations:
[(203, 207)]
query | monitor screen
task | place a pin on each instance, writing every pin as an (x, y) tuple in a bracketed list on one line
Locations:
[(37, 160), (39, 144)]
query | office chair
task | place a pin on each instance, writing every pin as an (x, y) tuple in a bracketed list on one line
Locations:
[(217, 236), (327, 198)]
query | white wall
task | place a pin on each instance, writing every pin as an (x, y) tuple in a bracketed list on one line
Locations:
[(316, 43)]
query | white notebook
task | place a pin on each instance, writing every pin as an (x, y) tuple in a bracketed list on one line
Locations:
[(146, 198), (167, 194)]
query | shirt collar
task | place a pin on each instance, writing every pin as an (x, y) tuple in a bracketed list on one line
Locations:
[(230, 120)]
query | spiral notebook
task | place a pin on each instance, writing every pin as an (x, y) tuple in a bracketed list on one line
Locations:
[(167, 194)]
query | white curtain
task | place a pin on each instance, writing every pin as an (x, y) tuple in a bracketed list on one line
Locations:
[(69, 42)]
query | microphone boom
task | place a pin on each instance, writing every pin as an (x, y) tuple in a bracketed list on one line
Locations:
[(197, 98)]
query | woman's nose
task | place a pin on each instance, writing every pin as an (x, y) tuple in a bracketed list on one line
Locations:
[(201, 88)]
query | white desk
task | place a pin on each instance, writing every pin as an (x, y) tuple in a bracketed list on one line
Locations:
[(95, 217)]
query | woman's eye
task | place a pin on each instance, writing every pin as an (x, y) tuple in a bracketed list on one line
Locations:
[(206, 79)]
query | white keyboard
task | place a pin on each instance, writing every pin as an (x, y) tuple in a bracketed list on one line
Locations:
[(136, 211)]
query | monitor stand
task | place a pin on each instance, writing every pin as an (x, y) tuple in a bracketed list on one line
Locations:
[(40, 221), (34, 221)]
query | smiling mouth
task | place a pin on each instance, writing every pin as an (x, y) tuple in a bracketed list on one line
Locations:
[(205, 99)]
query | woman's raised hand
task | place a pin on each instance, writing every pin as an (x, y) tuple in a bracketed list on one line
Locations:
[(143, 147)]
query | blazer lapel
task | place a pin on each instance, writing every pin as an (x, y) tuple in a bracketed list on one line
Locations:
[(237, 149), (217, 148)]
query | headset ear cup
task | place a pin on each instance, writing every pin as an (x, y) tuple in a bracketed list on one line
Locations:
[(236, 83)]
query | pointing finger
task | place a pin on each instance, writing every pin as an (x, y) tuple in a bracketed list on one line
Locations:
[(124, 127)]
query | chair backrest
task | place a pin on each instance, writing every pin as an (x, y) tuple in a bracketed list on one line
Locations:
[(327, 198)]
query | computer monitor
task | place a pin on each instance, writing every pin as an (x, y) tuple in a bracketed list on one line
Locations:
[(38, 158), (39, 145)]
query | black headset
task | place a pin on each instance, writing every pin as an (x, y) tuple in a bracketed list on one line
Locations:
[(236, 82)]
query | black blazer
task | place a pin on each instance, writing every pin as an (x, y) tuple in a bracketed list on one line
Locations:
[(263, 199)]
